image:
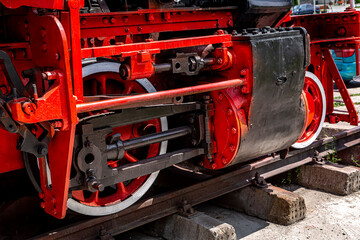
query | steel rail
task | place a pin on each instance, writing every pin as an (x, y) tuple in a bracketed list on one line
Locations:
[(154, 208)]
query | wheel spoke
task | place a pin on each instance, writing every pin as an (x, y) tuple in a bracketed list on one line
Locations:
[(121, 187), (102, 80), (119, 195), (130, 157), (128, 88), (94, 198), (79, 195)]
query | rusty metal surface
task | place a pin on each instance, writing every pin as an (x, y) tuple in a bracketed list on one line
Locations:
[(165, 204)]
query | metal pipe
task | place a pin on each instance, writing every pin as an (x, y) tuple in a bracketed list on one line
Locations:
[(314, 6), (156, 137), (167, 94), (116, 150), (165, 67), (352, 4), (162, 67)]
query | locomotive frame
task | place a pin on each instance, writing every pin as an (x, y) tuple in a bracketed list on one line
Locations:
[(75, 135)]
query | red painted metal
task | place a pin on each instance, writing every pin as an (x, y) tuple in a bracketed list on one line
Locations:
[(55, 43), (74, 21), (155, 47), (61, 146), (48, 40), (330, 26), (149, 21), (124, 190), (284, 20), (339, 30), (353, 117), (225, 126), (50, 4), (314, 108), (9, 150)]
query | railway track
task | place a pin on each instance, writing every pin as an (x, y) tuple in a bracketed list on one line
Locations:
[(182, 200)]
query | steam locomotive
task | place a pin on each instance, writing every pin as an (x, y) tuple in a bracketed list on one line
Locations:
[(98, 96)]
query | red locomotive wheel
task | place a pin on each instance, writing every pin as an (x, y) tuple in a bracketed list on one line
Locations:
[(315, 102), (103, 78)]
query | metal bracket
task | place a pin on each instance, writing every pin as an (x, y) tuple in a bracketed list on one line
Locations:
[(12, 75), (317, 159), (187, 210), (259, 181), (187, 63)]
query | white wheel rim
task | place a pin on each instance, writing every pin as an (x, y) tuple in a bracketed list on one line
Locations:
[(308, 142), (134, 197)]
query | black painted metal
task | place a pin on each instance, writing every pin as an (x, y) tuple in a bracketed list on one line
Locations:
[(150, 165), (12, 75), (135, 115), (113, 149), (277, 114), (261, 13)]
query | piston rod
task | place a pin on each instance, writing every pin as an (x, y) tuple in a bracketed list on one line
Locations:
[(116, 150)]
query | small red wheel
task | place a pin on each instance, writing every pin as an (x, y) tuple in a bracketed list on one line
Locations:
[(104, 78), (315, 104)]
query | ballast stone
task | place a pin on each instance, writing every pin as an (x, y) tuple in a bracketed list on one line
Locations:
[(199, 226), (271, 203), (331, 178)]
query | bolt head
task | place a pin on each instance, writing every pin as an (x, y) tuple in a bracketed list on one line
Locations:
[(43, 32), (113, 20), (151, 17), (220, 96), (42, 150), (41, 195), (105, 20), (232, 148), (101, 187), (233, 130), (223, 159), (44, 47)]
